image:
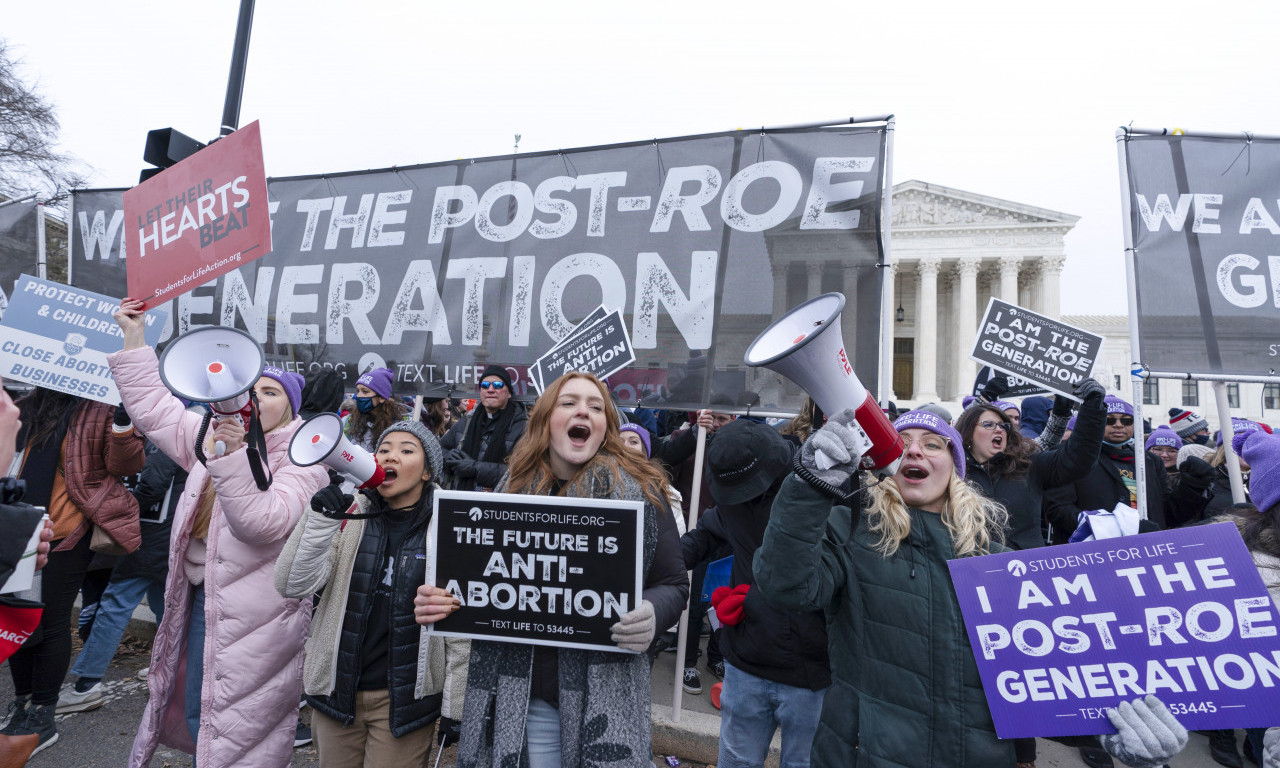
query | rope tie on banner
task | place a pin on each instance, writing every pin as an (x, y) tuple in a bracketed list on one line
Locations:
[(760, 146), (1139, 370), (568, 164), (328, 183), (409, 179), (1247, 148), (662, 172)]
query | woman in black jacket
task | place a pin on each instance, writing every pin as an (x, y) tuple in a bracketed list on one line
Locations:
[(1005, 467)]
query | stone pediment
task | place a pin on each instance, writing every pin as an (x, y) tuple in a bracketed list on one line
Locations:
[(917, 204)]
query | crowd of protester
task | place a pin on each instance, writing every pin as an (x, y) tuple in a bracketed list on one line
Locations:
[(837, 625)]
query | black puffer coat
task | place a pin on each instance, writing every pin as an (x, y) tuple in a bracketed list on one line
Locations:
[(772, 643), (488, 473), (151, 560), (407, 712)]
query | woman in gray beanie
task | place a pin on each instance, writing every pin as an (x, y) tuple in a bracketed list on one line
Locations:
[(373, 677)]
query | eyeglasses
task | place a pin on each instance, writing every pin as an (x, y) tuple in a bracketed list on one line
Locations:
[(1124, 421), (992, 426), (931, 445), (493, 384), (1165, 450)]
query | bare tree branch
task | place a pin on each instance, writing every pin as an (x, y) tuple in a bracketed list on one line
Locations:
[(30, 160)]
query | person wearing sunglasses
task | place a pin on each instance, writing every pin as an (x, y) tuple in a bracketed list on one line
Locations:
[(905, 686), (1113, 480), (476, 447)]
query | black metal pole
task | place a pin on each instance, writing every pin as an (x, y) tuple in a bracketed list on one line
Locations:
[(235, 80)]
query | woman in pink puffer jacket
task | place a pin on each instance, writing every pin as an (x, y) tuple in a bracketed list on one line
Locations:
[(236, 705)]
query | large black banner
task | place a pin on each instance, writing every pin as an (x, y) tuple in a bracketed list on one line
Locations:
[(1206, 222), (439, 270), (19, 250)]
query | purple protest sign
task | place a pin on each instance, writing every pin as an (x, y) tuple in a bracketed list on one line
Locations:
[(1061, 634)]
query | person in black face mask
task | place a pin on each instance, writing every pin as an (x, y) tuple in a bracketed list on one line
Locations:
[(1190, 426), (376, 410), (776, 666)]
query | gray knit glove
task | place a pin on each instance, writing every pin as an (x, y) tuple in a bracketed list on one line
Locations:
[(634, 630), (833, 452), (1271, 748), (1148, 735)]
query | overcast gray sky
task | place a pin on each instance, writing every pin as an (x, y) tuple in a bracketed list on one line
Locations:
[(1018, 100)]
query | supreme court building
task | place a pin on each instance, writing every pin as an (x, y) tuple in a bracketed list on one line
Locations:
[(952, 251)]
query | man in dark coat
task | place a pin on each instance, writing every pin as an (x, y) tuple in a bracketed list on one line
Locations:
[(476, 447), (776, 666), (1113, 480)]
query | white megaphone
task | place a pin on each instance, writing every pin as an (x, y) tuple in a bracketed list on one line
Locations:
[(805, 346), (320, 439), (214, 365)]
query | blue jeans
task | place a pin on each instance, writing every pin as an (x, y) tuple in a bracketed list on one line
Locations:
[(542, 735), (115, 608), (752, 708), (195, 661)]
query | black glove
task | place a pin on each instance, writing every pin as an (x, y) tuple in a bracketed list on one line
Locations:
[(121, 417), (454, 456), (330, 501), (995, 388), (1197, 474), (449, 731), (1090, 392), (464, 467), (1062, 406)]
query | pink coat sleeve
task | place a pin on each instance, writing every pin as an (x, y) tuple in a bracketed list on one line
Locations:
[(154, 410), (262, 517)]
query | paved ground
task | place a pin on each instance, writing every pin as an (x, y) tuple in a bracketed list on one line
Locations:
[(102, 738)]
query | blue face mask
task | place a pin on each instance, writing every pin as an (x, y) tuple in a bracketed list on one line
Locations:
[(364, 404)]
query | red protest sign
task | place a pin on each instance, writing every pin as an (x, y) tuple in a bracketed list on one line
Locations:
[(203, 217)]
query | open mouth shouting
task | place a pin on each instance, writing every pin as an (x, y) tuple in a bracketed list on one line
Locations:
[(914, 473), (579, 435), (997, 441)]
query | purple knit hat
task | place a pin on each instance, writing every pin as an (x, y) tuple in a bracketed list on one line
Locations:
[(1240, 427), (1118, 405), (292, 383), (1162, 435), (379, 380), (932, 423), (643, 433), (1005, 405), (1262, 451)]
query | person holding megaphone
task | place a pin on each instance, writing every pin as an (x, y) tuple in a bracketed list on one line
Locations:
[(906, 689), (374, 679), (226, 664)]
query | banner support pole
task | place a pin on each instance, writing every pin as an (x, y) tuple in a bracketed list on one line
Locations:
[(885, 385), (1224, 429), (42, 253), (28, 198), (695, 498), (1135, 348), (235, 78)]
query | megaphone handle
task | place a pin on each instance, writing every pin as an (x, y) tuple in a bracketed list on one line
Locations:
[(219, 448), (823, 461)]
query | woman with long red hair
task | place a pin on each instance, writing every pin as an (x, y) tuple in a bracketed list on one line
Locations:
[(538, 700)]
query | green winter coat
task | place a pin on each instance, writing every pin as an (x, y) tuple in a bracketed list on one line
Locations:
[(905, 688)]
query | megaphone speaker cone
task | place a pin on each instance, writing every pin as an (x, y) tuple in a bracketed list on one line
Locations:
[(320, 440), (212, 364)]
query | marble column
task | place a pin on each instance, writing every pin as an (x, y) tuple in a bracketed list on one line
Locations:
[(890, 277), (849, 320), (815, 278), (779, 289), (927, 331), (967, 326), (1009, 278), (1050, 276)]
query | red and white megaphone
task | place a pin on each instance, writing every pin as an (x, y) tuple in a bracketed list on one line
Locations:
[(805, 346), (320, 439), (214, 365)]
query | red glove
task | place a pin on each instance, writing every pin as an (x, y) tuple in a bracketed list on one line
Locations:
[(728, 603)]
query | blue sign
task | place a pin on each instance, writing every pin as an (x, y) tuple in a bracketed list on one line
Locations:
[(1061, 634), (58, 337)]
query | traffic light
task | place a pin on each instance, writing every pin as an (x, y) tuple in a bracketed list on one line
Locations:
[(165, 147)]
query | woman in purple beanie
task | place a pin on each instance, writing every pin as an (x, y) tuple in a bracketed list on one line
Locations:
[(376, 410), (226, 664), (875, 559)]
